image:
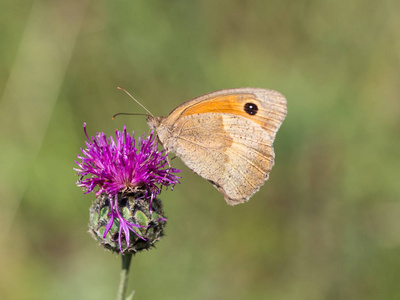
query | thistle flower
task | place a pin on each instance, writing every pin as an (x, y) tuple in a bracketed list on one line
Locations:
[(126, 180)]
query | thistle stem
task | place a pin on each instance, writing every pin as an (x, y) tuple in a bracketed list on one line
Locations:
[(123, 282)]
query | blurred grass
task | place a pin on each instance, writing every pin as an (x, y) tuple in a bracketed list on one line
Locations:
[(325, 226)]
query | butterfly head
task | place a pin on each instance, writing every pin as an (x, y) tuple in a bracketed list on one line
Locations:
[(154, 122)]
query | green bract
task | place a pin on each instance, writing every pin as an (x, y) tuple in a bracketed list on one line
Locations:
[(146, 226)]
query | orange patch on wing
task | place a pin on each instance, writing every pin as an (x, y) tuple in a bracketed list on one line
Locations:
[(231, 104)]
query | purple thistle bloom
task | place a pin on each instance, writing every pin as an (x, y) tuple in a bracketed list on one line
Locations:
[(118, 167)]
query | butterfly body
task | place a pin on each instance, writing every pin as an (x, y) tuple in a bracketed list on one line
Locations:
[(226, 137)]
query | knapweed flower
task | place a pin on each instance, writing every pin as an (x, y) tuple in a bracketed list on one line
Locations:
[(126, 177)]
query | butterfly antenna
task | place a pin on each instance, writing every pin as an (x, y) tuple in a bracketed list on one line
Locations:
[(120, 88), (127, 114)]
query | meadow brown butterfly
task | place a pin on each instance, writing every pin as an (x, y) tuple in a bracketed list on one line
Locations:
[(226, 137)]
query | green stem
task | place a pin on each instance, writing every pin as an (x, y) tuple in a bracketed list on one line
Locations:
[(123, 282)]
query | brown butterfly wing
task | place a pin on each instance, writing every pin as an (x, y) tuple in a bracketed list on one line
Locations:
[(217, 139)]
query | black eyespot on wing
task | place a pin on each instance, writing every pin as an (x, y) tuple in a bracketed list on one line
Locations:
[(250, 108)]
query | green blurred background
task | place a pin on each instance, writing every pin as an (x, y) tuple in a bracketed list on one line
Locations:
[(325, 226)]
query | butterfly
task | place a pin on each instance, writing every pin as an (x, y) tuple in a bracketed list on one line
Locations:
[(226, 137)]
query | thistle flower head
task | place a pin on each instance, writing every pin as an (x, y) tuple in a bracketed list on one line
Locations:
[(118, 166), (120, 172)]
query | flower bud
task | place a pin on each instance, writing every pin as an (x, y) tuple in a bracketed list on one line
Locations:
[(137, 228)]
